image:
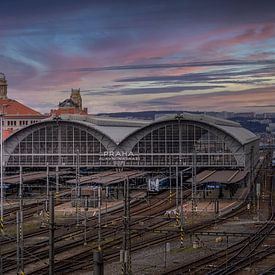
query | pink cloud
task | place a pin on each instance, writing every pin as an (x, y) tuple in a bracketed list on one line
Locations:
[(246, 34), (229, 101)]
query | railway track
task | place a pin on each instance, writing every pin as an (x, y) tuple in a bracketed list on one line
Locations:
[(236, 256), (269, 271), (83, 259), (30, 209), (234, 251), (40, 249), (246, 252), (109, 256)]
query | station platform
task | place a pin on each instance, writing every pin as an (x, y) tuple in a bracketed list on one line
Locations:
[(66, 209)]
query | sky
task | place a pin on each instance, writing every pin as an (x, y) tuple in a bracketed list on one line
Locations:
[(188, 55)]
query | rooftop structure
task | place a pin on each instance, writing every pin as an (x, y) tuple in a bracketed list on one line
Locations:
[(3, 86), (72, 105)]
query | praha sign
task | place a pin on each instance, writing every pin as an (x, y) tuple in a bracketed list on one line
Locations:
[(119, 156)]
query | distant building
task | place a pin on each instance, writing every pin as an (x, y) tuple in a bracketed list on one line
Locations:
[(271, 128), (245, 115), (16, 114), (72, 105)]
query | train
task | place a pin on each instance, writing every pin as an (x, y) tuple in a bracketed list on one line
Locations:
[(9, 189), (157, 184)]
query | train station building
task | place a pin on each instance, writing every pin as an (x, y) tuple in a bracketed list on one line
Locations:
[(182, 140)]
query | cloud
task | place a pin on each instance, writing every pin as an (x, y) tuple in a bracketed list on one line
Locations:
[(153, 90), (255, 34), (210, 75), (150, 49), (218, 101), (172, 65)]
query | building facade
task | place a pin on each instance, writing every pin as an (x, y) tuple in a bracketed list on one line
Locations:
[(89, 141), (15, 114)]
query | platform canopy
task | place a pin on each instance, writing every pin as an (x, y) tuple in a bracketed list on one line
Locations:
[(108, 177), (220, 176)]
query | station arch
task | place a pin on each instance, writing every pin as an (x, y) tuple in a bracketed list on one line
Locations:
[(58, 143), (183, 142)]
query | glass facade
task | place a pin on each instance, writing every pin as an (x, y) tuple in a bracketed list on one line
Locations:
[(182, 144), (58, 145), (175, 142)]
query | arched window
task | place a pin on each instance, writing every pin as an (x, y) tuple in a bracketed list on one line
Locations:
[(182, 143), (63, 144)]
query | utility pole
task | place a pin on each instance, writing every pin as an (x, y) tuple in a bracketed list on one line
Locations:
[(77, 189), (258, 193), (252, 185), (85, 232), (125, 253), (98, 255), (18, 262), (194, 184), (2, 189), (177, 186), (181, 198), (129, 264), (1, 169), (170, 181), (99, 219), (57, 181), (48, 189), (20, 221), (181, 210), (51, 237)]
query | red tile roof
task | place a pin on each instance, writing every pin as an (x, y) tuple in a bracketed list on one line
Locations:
[(13, 107), (7, 133)]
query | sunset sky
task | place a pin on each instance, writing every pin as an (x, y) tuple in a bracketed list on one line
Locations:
[(141, 55)]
